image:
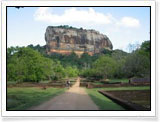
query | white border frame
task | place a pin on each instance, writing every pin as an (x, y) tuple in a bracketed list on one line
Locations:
[(151, 113)]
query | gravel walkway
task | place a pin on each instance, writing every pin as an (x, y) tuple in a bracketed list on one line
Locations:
[(74, 98)]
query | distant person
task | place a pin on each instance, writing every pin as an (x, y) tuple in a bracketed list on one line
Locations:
[(68, 83)]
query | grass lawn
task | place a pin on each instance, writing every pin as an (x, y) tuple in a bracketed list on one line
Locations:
[(23, 98), (123, 88), (118, 80), (105, 103), (97, 83)]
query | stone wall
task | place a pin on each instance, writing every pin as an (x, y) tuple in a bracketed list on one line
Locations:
[(145, 80)]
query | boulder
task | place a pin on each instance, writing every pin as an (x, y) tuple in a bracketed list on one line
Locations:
[(60, 39)]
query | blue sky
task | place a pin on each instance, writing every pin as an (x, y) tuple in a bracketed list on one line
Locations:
[(123, 25)]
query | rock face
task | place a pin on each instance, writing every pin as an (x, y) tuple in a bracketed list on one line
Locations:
[(64, 40)]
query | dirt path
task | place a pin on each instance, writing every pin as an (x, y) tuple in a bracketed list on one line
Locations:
[(75, 98)]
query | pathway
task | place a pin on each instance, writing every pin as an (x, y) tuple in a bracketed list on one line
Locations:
[(75, 98)]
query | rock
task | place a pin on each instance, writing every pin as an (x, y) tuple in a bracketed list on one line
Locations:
[(64, 40)]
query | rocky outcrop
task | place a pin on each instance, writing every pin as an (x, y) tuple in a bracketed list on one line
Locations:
[(62, 39)]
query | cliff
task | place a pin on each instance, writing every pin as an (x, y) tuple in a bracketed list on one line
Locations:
[(62, 39)]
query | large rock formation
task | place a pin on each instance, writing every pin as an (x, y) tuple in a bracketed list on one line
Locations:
[(65, 39)]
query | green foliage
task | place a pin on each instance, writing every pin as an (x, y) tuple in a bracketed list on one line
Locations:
[(27, 64), (119, 64), (58, 71), (66, 27), (146, 46), (66, 60), (71, 71), (118, 54), (106, 51), (85, 60), (124, 80), (11, 51), (105, 67), (41, 49), (138, 62), (90, 73), (137, 65), (120, 57), (71, 59)]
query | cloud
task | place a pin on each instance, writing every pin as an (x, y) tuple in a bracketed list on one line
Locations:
[(89, 16), (72, 15), (129, 22), (121, 31)]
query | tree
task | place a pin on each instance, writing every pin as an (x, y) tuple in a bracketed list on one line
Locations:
[(146, 46), (85, 60), (48, 68), (145, 49), (41, 49), (71, 71), (105, 67), (28, 65), (58, 71), (133, 47), (120, 57), (118, 54), (137, 65), (106, 52), (138, 62), (72, 60)]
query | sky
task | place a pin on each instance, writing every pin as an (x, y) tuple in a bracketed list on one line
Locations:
[(123, 25)]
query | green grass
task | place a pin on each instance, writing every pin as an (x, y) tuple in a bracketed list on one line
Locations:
[(124, 80), (105, 103), (124, 88), (45, 81), (24, 98), (11, 82), (97, 83)]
